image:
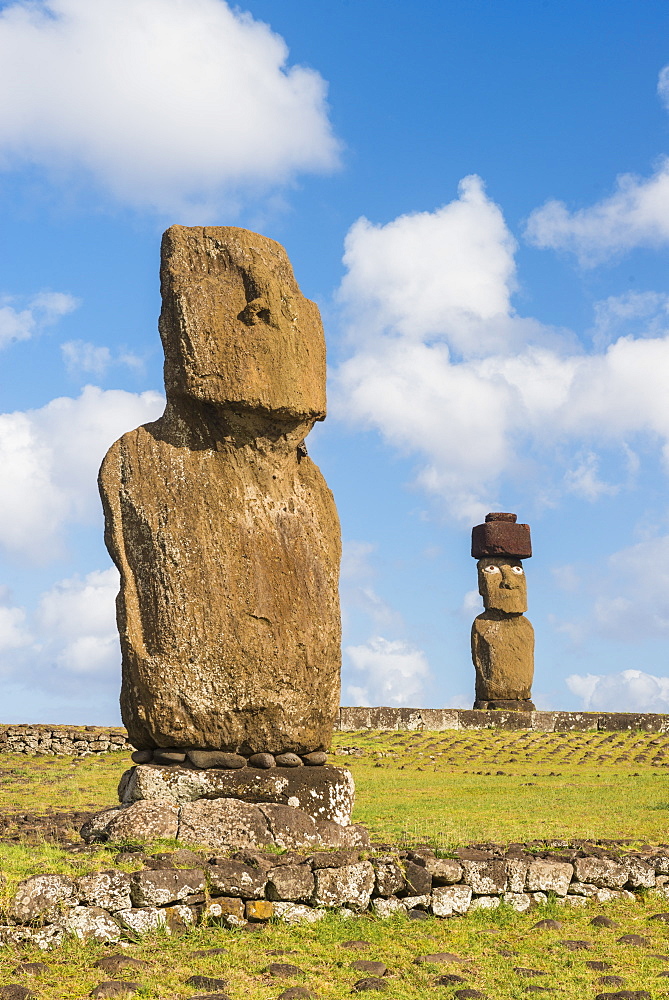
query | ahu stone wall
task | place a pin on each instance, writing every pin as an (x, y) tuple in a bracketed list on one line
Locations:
[(65, 740), (182, 888)]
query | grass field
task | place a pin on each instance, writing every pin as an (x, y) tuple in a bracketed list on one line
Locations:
[(450, 788)]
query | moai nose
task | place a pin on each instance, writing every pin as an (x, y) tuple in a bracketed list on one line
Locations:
[(505, 586)]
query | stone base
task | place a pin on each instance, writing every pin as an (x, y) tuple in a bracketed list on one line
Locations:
[(507, 705), (220, 823), (246, 807)]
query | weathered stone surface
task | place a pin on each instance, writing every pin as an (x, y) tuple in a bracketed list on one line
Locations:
[(418, 879), (444, 871), (503, 655), (95, 828), (258, 909), (389, 877), (113, 988), (222, 480), (151, 819), (291, 883), (549, 876), (214, 758), (42, 898), (166, 756), (43, 938), (325, 793), (110, 890), (447, 900), (501, 536), (14, 991), (417, 902), (120, 963), (641, 875), (91, 923), (288, 760), (223, 823), (158, 888), (334, 859), (228, 909), (484, 903), (516, 874), (601, 872), (519, 901), (142, 919), (290, 827), (350, 886), (232, 878), (485, 877), (263, 760), (296, 913), (316, 759), (385, 908)]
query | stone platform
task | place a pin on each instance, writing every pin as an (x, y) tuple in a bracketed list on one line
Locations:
[(246, 807)]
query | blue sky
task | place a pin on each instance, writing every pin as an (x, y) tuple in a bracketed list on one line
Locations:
[(477, 196)]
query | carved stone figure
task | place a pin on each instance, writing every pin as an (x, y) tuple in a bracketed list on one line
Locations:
[(224, 531), (502, 638)]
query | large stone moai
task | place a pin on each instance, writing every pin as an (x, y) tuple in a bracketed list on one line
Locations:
[(502, 638), (227, 541)]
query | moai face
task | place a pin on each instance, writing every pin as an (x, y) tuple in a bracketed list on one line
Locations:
[(502, 584), (236, 329)]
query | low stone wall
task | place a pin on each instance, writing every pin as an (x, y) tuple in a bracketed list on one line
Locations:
[(65, 740), (173, 890), (438, 719), (79, 740)]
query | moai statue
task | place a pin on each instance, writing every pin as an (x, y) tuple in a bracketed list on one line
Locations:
[(502, 638), (224, 531)]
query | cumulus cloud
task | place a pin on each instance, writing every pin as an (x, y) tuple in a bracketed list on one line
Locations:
[(394, 673), (636, 214), (627, 691), (76, 619), (50, 457), (82, 357), (22, 323), (166, 104), (474, 419)]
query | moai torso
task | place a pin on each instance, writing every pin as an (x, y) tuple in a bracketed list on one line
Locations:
[(502, 638), (224, 532)]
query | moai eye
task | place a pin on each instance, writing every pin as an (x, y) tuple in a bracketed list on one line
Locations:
[(517, 569), (491, 569)]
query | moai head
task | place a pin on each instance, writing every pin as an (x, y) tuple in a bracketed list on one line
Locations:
[(235, 327), (499, 545), (502, 584)]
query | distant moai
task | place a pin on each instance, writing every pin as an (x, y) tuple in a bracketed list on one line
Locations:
[(502, 638), (224, 531)]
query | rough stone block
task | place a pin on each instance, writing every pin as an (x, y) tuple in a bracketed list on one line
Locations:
[(549, 876), (223, 823), (296, 913), (519, 901), (225, 909), (516, 874), (418, 879), (158, 888), (485, 877), (324, 793), (148, 820), (91, 923), (42, 898), (601, 872), (484, 903), (385, 908), (142, 919), (258, 909), (350, 885), (232, 878), (444, 871), (109, 889), (641, 874), (447, 900), (290, 883), (290, 827), (389, 877)]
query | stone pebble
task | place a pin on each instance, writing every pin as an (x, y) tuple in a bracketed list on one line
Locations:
[(207, 983), (204, 759), (370, 983), (602, 921), (14, 991), (296, 993), (373, 968), (283, 970), (31, 969), (288, 760)]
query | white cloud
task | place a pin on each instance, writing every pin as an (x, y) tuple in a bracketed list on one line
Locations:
[(636, 214), (76, 619), (80, 356), (395, 673), (440, 272), (50, 459), (627, 691), (639, 314), (166, 103), (41, 310), (13, 632), (520, 411)]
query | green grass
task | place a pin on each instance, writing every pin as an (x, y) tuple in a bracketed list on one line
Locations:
[(410, 787)]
